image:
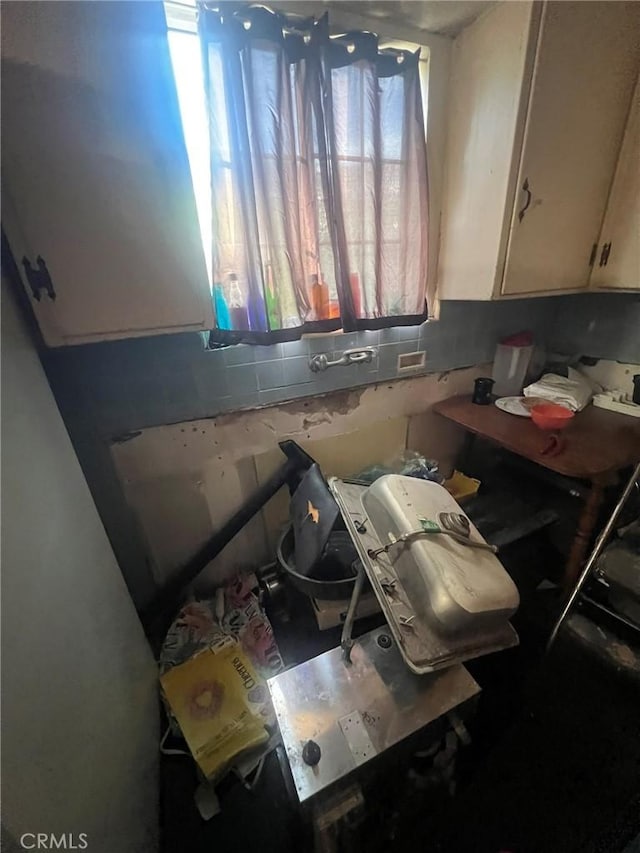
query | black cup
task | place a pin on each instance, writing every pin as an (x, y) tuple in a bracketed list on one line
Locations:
[(482, 391), (636, 388)]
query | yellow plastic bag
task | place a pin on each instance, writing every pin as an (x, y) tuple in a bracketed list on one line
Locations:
[(216, 697), (460, 486)]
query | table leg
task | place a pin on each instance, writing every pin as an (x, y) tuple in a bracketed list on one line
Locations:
[(466, 450), (582, 540)]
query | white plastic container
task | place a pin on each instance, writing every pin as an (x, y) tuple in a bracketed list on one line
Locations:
[(510, 366)]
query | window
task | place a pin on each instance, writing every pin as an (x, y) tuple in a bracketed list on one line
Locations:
[(187, 69), (355, 253)]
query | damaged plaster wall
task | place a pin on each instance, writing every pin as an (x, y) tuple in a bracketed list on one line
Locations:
[(183, 481), (108, 391)]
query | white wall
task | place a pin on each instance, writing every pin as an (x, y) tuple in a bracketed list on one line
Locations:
[(79, 707)]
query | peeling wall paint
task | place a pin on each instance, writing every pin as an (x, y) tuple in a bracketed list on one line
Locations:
[(183, 481)]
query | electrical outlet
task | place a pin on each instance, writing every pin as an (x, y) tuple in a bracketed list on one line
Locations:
[(411, 361)]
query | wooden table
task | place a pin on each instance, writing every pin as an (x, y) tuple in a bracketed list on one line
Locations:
[(596, 445)]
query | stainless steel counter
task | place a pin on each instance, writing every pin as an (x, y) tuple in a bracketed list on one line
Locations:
[(355, 712)]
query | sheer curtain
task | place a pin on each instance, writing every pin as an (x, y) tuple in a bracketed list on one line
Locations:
[(319, 179)]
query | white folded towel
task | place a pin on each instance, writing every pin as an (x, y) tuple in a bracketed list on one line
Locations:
[(573, 392)]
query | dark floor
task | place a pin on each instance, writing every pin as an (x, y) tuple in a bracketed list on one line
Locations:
[(554, 764)]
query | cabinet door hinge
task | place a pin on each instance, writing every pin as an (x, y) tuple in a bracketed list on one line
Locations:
[(604, 254), (592, 256), (38, 278)]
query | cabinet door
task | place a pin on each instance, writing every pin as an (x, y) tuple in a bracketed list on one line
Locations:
[(586, 66), (618, 261), (95, 173), (488, 96)]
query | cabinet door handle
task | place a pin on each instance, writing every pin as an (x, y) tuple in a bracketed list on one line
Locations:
[(525, 188)]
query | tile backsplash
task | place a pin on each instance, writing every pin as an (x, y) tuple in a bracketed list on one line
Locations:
[(602, 325), (142, 382), (132, 384)]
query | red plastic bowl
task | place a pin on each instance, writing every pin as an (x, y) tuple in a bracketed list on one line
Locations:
[(551, 416)]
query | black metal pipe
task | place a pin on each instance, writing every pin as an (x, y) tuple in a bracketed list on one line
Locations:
[(169, 597)]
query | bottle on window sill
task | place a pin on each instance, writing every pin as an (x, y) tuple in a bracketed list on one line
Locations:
[(238, 312), (271, 298), (356, 293), (320, 297), (223, 320)]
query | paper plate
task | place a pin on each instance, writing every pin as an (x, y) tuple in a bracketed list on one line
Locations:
[(514, 406)]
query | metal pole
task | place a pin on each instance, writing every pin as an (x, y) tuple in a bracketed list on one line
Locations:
[(597, 550), (347, 629)]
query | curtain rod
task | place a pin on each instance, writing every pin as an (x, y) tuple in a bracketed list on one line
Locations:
[(307, 21)]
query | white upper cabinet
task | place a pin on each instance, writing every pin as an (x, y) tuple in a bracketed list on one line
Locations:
[(617, 262), (539, 99), (95, 174)]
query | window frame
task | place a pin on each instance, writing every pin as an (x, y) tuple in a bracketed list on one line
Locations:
[(181, 17)]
